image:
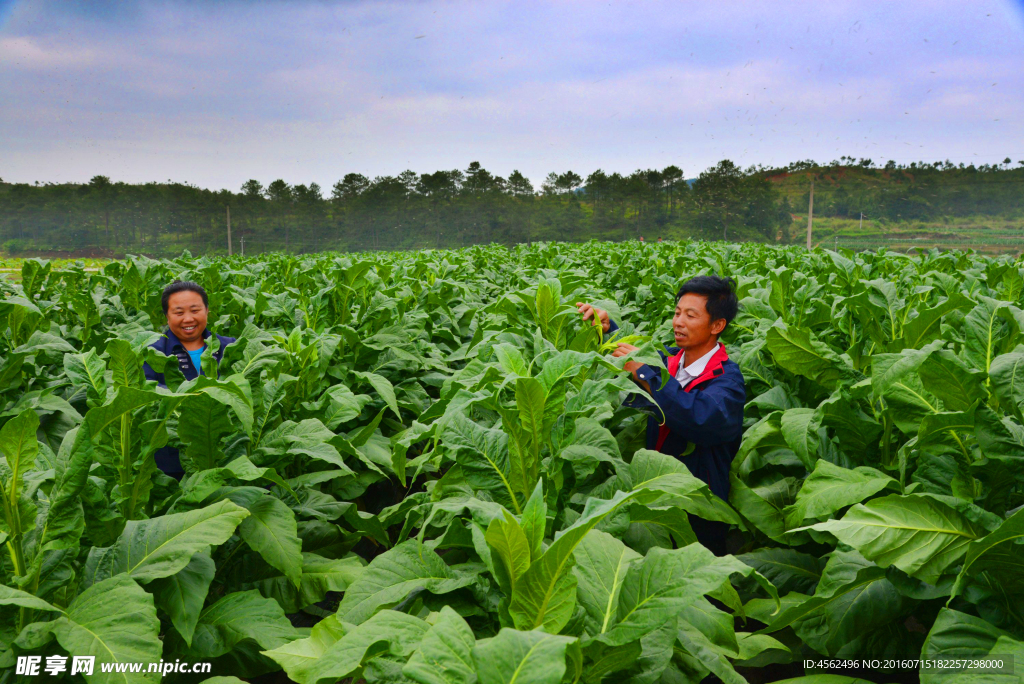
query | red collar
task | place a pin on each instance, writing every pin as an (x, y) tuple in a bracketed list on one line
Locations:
[(712, 370)]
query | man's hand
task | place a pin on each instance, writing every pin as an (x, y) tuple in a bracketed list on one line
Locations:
[(592, 312), (624, 349)]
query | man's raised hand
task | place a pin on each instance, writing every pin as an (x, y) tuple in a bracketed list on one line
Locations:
[(624, 349), (589, 312)]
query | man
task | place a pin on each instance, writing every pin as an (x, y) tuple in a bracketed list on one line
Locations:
[(702, 402), (187, 308)]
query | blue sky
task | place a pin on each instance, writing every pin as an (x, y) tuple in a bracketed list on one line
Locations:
[(214, 93)]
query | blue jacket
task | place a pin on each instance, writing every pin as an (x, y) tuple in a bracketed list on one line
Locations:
[(169, 345), (710, 416)]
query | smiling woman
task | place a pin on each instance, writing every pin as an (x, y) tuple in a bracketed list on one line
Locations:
[(187, 309)]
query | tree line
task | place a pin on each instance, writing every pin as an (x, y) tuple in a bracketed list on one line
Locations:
[(469, 206)]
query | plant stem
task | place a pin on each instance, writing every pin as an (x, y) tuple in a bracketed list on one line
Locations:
[(126, 463)]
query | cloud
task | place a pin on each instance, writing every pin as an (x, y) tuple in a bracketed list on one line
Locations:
[(25, 53), (218, 92)]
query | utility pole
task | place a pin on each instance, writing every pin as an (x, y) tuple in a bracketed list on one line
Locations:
[(861, 226), (810, 214), (228, 208), (242, 239)]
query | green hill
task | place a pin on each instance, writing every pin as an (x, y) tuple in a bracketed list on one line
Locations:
[(856, 203)]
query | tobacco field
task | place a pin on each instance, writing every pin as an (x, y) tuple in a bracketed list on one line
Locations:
[(416, 467)]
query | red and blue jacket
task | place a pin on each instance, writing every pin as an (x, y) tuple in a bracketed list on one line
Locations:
[(707, 412)]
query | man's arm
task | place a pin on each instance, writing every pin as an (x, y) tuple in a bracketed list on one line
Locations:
[(713, 415)]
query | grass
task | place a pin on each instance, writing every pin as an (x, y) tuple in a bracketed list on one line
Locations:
[(985, 234)]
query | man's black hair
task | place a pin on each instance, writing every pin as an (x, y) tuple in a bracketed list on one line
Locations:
[(182, 286), (720, 292)]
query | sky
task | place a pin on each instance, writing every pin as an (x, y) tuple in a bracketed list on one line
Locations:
[(215, 92)]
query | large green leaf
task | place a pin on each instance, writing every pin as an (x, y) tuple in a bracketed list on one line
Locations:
[(319, 576), (10, 596), (957, 635), (19, 447), (601, 565), (340, 405), (668, 522), (65, 519), (535, 520), (445, 655), (655, 471), (161, 547), (237, 616), (511, 360), (1007, 376), (87, 370), (530, 401), (707, 634), (788, 569), (799, 428), (917, 534), (299, 656), (202, 423), (761, 513), (270, 531), (384, 388), (483, 455), (546, 594), (604, 660), (854, 601), (947, 377), (887, 369), (125, 401), (512, 548), (665, 582), (183, 594), (388, 632), (233, 391), (393, 575), (801, 353), (1006, 539), (830, 488), (125, 365), (517, 657), (116, 622), (925, 326), (990, 329)]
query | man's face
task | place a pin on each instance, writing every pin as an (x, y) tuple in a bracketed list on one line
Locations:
[(186, 316), (692, 323)]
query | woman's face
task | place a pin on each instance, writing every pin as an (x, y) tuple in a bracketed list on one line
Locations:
[(186, 317)]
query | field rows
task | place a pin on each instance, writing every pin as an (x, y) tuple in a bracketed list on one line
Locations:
[(417, 467)]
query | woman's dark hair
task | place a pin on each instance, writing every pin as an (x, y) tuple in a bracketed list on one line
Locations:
[(182, 286), (720, 292)]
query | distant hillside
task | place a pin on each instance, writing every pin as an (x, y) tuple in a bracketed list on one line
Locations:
[(472, 205), (918, 191)]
